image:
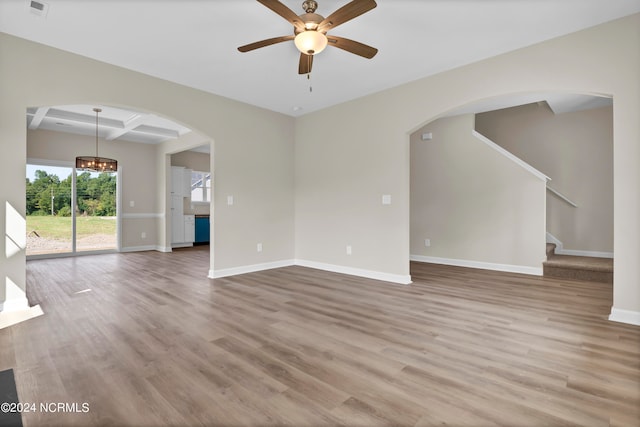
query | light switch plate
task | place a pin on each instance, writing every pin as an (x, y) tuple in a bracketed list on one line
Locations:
[(386, 199), (229, 200)]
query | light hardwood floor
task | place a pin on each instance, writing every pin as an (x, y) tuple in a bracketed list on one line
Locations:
[(147, 340)]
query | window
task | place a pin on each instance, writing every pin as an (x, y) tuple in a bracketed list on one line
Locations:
[(201, 186)]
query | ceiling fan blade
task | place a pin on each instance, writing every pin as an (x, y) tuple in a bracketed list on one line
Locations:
[(263, 43), (352, 46), (346, 13), (306, 61), (285, 12)]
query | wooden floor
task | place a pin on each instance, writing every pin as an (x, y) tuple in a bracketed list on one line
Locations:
[(145, 339)]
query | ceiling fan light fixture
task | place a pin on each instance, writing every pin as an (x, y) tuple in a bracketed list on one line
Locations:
[(311, 42)]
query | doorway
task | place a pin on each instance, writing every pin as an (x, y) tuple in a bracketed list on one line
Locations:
[(69, 212)]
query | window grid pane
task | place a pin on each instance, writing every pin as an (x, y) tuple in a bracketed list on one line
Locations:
[(200, 186)]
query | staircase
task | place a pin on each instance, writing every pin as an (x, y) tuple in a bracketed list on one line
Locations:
[(577, 267)]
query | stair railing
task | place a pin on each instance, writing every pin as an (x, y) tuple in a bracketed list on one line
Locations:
[(562, 196)]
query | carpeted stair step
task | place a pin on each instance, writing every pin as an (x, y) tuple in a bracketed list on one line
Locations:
[(551, 249), (579, 267)]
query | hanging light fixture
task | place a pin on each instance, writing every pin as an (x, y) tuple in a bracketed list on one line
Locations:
[(96, 163)]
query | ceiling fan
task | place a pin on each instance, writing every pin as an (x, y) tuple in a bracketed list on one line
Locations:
[(310, 30)]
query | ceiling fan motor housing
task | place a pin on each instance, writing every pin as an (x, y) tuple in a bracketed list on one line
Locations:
[(311, 21), (310, 6)]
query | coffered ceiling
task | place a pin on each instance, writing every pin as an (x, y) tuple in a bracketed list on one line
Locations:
[(113, 123)]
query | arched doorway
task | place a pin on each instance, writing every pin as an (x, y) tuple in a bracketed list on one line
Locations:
[(459, 216), (140, 141)]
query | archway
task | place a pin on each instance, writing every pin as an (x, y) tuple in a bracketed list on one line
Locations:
[(468, 215), (141, 141)]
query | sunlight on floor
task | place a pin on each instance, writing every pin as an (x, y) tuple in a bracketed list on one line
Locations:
[(14, 317)]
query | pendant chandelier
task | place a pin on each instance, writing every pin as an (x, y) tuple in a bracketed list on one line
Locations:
[(96, 163)]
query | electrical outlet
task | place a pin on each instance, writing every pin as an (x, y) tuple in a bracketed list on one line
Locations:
[(259, 247), (132, 203), (349, 250), (427, 242), (143, 235)]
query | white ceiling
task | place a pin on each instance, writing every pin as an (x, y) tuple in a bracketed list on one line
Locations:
[(193, 42), (128, 125)]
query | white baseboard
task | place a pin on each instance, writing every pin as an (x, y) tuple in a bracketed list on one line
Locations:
[(535, 271), (225, 272), (550, 238), (139, 248), (369, 274), (181, 245), (560, 250), (386, 277), (625, 316), (594, 254)]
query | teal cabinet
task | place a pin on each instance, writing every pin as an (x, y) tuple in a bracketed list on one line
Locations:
[(203, 228)]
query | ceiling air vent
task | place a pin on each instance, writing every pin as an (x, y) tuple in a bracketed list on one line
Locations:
[(38, 8)]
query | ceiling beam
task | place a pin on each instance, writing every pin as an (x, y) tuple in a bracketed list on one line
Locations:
[(160, 131), (40, 114), (129, 125)]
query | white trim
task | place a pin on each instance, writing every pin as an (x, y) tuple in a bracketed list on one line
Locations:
[(142, 215), (594, 254), (53, 255), (510, 156), (182, 245), (522, 269), (225, 272), (625, 316), (140, 248), (119, 234), (562, 196), (369, 274), (550, 238), (54, 163), (575, 252), (165, 249)]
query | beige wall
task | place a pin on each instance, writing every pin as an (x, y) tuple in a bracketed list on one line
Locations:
[(191, 159), (362, 150), (475, 205), (346, 156), (576, 151), (245, 156)]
